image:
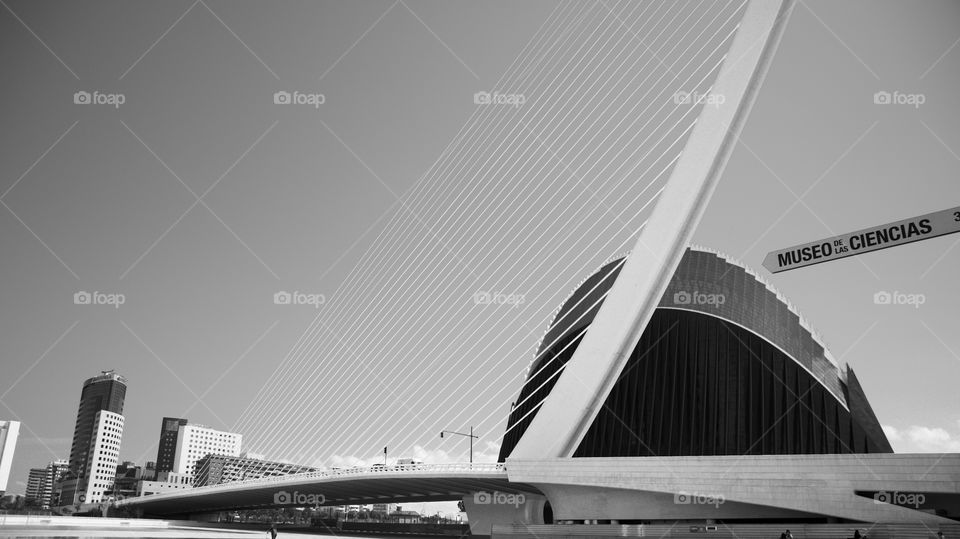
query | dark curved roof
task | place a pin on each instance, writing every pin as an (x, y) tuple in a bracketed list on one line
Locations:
[(761, 381), (749, 302)]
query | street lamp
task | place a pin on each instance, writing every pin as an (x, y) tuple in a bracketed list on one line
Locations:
[(471, 436)]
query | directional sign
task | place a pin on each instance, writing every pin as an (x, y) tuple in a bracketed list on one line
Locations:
[(870, 239)]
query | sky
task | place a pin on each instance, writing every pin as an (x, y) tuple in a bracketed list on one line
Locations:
[(396, 206)]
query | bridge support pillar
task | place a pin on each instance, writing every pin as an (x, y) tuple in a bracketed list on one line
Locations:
[(484, 509)]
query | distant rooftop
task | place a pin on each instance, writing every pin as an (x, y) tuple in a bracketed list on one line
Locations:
[(106, 376)]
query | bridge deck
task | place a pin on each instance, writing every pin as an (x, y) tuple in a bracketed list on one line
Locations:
[(396, 484)]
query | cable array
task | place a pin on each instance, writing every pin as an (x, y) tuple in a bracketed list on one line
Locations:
[(432, 328)]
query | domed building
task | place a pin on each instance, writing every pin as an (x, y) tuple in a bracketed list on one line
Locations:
[(726, 366), (729, 415)]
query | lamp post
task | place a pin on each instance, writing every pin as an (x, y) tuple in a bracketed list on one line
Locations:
[(471, 436)]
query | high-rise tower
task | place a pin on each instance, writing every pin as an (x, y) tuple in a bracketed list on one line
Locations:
[(99, 422), (103, 392), (167, 448)]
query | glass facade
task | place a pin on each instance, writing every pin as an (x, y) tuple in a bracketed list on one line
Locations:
[(104, 392), (167, 448)]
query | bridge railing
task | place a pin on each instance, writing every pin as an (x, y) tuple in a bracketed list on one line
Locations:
[(372, 471)]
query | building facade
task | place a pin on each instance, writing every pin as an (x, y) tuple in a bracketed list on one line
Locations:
[(42, 482), (105, 392), (217, 469), (383, 509), (35, 478), (55, 472), (167, 447), (9, 432), (102, 393), (726, 366), (100, 477), (127, 478), (197, 441), (729, 410), (150, 471), (165, 482)]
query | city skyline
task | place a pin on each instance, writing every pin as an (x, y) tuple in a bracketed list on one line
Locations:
[(199, 332)]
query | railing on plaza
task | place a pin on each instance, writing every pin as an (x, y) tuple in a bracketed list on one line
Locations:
[(74, 522)]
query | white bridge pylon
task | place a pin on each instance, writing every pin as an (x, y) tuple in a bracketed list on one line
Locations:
[(567, 412)]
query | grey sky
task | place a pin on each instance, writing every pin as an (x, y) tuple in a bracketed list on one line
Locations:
[(301, 194)]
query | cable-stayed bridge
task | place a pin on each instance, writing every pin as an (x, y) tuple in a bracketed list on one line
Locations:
[(629, 113), (434, 327), (610, 133)]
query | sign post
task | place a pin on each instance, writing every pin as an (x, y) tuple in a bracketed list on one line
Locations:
[(875, 238)]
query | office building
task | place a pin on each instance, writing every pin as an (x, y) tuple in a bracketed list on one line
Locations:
[(9, 431), (167, 448), (35, 479), (103, 454), (42, 482), (107, 392), (383, 509), (99, 414), (127, 478), (165, 482), (216, 469), (197, 441), (150, 471), (55, 472)]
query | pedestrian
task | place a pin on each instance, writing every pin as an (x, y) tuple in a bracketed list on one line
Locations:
[(856, 534), (940, 535), (273, 531), (789, 535)]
